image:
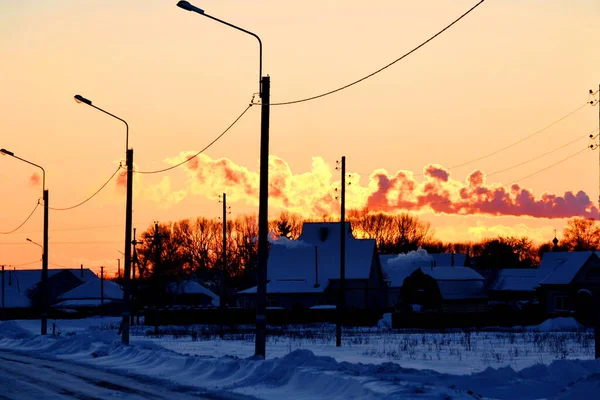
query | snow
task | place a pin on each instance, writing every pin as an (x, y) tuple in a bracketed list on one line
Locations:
[(92, 289), (373, 363)]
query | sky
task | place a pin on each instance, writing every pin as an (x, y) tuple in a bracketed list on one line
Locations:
[(372, 363), (424, 135)]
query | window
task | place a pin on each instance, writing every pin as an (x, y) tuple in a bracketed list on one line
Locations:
[(561, 303)]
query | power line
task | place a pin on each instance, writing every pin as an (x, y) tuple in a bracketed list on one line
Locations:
[(201, 151), (22, 265), (89, 198), (24, 222), (542, 155), (383, 68), (553, 165), (521, 140)]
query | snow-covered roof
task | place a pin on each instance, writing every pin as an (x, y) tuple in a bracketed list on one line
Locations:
[(82, 303), (398, 266), (289, 286), (15, 299), (456, 282), (25, 279), (191, 287), (92, 290), (452, 274), (559, 268), (516, 279), (315, 260)]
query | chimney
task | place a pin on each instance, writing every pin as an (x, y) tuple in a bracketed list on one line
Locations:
[(317, 266), (452, 259)]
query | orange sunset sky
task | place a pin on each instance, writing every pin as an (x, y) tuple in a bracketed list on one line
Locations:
[(423, 135)]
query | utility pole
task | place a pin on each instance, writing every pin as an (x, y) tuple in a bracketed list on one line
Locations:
[(223, 269), (118, 267), (260, 348), (3, 288), (127, 266), (597, 291), (342, 298), (45, 291), (134, 281), (102, 288)]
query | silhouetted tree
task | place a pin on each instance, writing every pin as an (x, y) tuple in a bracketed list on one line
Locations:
[(581, 234)]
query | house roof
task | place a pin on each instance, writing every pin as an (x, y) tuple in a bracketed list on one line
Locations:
[(516, 279), (295, 266), (82, 303), (398, 266), (15, 299), (191, 287), (559, 268), (321, 262), (289, 286), (92, 290), (453, 274), (456, 283), (19, 282)]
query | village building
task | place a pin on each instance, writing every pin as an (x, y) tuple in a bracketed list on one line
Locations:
[(305, 273)]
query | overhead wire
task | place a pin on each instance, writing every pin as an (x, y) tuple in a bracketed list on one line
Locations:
[(201, 151), (520, 140), (542, 155), (24, 222), (23, 264), (89, 198), (383, 68)]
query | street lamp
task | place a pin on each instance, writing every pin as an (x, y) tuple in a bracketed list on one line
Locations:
[(263, 199), (44, 291), (128, 223), (36, 243)]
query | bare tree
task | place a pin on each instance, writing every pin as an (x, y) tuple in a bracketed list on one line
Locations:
[(581, 234)]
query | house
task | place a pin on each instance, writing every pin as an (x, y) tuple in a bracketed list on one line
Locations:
[(397, 267), (445, 289), (568, 281), (191, 293), (514, 286), (21, 287), (93, 293), (305, 273)]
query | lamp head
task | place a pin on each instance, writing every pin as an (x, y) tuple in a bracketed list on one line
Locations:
[(6, 152), (80, 99), (188, 7), (29, 240)]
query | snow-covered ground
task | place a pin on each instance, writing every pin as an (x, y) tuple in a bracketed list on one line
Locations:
[(554, 360)]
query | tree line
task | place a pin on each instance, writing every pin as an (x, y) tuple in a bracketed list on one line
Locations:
[(175, 251)]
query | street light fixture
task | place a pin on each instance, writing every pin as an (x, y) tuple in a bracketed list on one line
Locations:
[(263, 200), (44, 294), (128, 223), (36, 243)]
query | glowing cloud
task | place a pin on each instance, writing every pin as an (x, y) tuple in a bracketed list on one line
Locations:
[(314, 193)]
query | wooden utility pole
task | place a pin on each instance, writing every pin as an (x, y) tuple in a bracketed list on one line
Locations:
[(3, 288), (134, 283), (102, 288), (223, 269), (342, 293)]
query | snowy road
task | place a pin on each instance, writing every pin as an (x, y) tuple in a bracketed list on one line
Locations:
[(26, 377)]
